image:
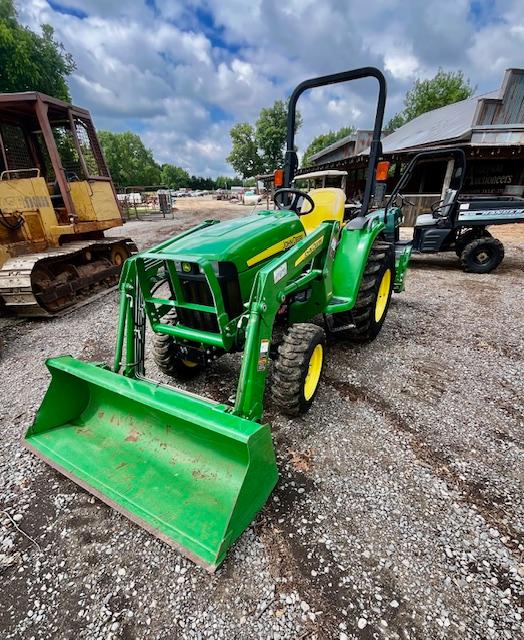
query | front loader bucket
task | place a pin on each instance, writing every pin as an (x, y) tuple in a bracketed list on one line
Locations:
[(181, 466)]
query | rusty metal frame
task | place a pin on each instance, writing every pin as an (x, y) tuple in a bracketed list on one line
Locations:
[(4, 157), (41, 109)]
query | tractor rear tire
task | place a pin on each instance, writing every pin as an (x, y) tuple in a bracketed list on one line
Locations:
[(366, 318), (482, 255), (298, 368), (469, 236), (167, 358)]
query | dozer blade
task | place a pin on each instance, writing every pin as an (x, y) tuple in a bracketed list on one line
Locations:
[(181, 466)]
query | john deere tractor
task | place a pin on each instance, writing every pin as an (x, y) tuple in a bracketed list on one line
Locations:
[(192, 471)]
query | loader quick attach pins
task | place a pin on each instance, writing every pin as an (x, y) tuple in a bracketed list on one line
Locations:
[(192, 471)]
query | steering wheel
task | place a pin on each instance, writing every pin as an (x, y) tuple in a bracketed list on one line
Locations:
[(295, 204)]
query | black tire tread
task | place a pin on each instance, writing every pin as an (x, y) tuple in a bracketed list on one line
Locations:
[(290, 365), (165, 353), (469, 250), (361, 315)]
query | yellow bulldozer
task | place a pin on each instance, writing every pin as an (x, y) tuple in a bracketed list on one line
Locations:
[(56, 200)]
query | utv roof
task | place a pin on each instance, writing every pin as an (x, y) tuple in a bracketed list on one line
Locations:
[(321, 174)]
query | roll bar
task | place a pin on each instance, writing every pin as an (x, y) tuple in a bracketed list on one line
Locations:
[(460, 161), (291, 161)]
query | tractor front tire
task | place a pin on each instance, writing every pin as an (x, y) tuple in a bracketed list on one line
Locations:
[(298, 368), (482, 255), (366, 318), (167, 358)]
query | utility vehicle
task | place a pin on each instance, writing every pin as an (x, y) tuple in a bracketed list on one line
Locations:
[(458, 222)]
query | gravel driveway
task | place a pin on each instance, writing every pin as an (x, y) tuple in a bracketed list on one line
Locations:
[(399, 513)]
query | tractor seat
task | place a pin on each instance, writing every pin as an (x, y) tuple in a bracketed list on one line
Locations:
[(426, 220), (329, 206)]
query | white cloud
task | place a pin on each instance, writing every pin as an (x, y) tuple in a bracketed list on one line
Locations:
[(401, 65), (182, 71)]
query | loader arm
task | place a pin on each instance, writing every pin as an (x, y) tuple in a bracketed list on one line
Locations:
[(275, 281)]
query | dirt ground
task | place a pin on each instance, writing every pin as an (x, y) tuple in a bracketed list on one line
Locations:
[(399, 512)]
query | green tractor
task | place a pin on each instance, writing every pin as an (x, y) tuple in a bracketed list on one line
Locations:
[(192, 471)]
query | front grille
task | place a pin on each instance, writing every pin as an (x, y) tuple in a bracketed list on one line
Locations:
[(196, 290)]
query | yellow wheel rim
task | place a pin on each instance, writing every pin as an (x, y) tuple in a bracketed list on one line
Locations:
[(190, 364), (383, 295), (313, 372)]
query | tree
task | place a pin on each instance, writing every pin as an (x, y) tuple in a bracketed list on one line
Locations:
[(129, 161), (260, 149), (31, 62), (244, 156), (271, 132), (174, 177), (324, 140), (425, 95)]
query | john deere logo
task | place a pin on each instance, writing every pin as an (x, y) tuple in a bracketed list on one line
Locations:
[(186, 267)]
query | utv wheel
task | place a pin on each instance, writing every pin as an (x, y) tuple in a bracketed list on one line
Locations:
[(469, 236), (482, 255), (298, 368), (167, 358), (364, 322)]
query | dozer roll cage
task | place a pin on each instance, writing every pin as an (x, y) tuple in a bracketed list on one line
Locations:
[(375, 151), (45, 136)]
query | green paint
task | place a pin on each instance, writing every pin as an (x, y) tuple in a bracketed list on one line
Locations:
[(192, 471), (182, 466), (350, 262)]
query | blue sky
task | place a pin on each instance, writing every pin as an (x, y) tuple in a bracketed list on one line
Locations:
[(180, 73)]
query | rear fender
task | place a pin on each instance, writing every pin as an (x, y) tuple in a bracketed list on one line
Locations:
[(350, 261)]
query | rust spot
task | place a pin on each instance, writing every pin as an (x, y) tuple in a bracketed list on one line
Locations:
[(84, 431), (101, 414), (133, 436), (122, 464), (198, 474)]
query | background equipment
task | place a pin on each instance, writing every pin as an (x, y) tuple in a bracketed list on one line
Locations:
[(56, 201), (457, 222), (192, 471)]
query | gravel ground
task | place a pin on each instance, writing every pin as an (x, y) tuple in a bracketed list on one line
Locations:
[(399, 513)]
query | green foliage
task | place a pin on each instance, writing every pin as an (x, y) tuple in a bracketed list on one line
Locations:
[(271, 130), (130, 163), (174, 177), (31, 62), (226, 182), (425, 95), (323, 141), (260, 149), (244, 156), (202, 184)]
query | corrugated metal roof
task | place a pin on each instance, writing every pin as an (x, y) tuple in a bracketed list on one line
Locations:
[(335, 145), (453, 122)]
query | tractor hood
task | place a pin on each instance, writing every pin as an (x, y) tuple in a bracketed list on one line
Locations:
[(244, 241)]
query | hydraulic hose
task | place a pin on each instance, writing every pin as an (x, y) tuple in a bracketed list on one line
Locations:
[(9, 225)]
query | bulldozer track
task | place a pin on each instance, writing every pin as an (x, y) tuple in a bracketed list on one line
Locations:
[(16, 278)]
